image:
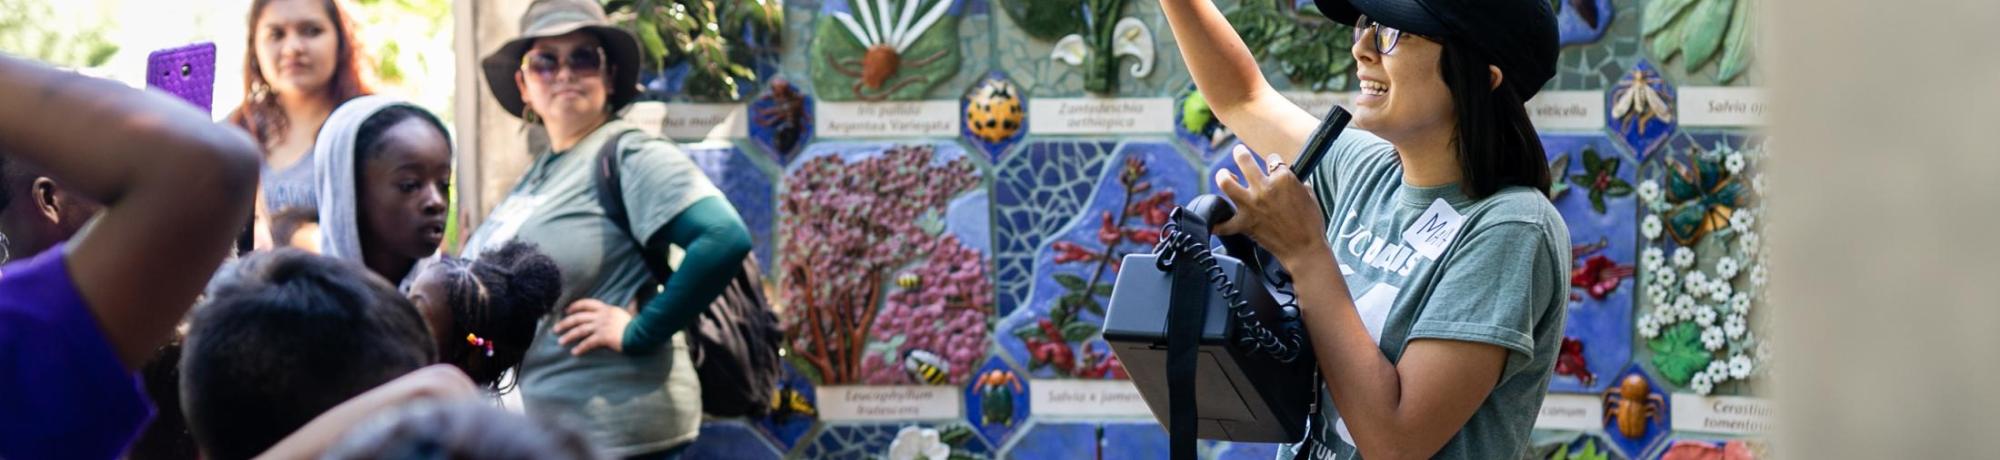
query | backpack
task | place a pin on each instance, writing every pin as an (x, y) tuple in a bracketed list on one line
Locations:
[(734, 344)]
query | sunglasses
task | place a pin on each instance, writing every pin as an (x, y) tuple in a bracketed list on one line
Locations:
[(582, 62), (1385, 37)]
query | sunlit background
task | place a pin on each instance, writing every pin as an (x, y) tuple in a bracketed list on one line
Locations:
[(409, 40)]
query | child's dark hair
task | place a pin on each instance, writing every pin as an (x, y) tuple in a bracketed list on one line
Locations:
[(166, 438), (368, 138), (498, 298), (284, 336), (1497, 144), (462, 429)]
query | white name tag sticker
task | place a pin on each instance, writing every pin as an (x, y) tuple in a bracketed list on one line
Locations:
[(506, 221), (1433, 232)]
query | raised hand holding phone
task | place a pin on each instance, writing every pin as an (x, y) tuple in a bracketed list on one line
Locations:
[(1272, 202), (187, 72)]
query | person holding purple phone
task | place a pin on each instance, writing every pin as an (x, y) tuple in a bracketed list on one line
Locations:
[(78, 318), (303, 62)]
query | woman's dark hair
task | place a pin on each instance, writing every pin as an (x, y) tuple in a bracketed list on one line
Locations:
[(499, 298), (1497, 144), (461, 429), (368, 138), (260, 114)]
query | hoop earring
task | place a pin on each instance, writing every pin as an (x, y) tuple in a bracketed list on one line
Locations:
[(259, 92)]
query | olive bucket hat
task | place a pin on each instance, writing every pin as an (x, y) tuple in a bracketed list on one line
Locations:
[(554, 18)]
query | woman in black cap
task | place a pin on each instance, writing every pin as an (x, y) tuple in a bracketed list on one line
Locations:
[(1439, 321), (625, 375)]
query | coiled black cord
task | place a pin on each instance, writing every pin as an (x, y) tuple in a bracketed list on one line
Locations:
[(1250, 332)]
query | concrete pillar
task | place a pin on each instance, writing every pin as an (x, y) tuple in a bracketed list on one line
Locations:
[(1886, 207)]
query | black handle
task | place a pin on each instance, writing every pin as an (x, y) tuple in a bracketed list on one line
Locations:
[(1321, 141), (1213, 210)]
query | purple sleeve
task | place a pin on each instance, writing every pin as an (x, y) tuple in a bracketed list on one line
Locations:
[(63, 391)]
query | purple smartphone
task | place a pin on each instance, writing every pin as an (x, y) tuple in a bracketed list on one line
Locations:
[(187, 72)]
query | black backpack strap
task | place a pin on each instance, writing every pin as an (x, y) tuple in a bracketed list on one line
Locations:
[(611, 197)]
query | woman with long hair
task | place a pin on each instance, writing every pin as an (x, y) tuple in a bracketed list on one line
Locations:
[(302, 62), (1430, 263)]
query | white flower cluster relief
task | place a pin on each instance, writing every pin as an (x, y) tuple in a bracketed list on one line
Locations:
[(1710, 284), (916, 443), (1683, 258)]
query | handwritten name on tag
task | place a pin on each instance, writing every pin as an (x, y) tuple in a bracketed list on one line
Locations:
[(1433, 232)]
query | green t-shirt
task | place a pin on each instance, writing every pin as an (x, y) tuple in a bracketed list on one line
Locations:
[(628, 404), (1431, 263)]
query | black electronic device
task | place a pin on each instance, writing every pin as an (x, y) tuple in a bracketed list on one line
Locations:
[(1222, 320)]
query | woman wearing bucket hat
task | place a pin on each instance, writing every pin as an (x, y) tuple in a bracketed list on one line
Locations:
[(1441, 314), (627, 377)]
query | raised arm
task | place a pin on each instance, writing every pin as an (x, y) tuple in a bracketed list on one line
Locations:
[(1229, 78), (175, 187)]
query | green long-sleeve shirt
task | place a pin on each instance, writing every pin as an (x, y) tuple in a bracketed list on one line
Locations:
[(649, 398), (716, 243)]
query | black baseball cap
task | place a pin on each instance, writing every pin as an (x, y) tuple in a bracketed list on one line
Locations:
[(1518, 36)]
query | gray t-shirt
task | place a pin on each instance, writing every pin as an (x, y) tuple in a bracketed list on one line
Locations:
[(628, 404), (292, 187), (1431, 263)]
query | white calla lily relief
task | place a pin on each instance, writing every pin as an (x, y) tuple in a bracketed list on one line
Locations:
[(1071, 50), (1133, 38)]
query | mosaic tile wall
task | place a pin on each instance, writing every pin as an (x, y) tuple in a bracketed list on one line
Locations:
[(979, 257)]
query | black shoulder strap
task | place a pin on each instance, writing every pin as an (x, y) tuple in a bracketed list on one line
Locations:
[(611, 197), (1185, 315)]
